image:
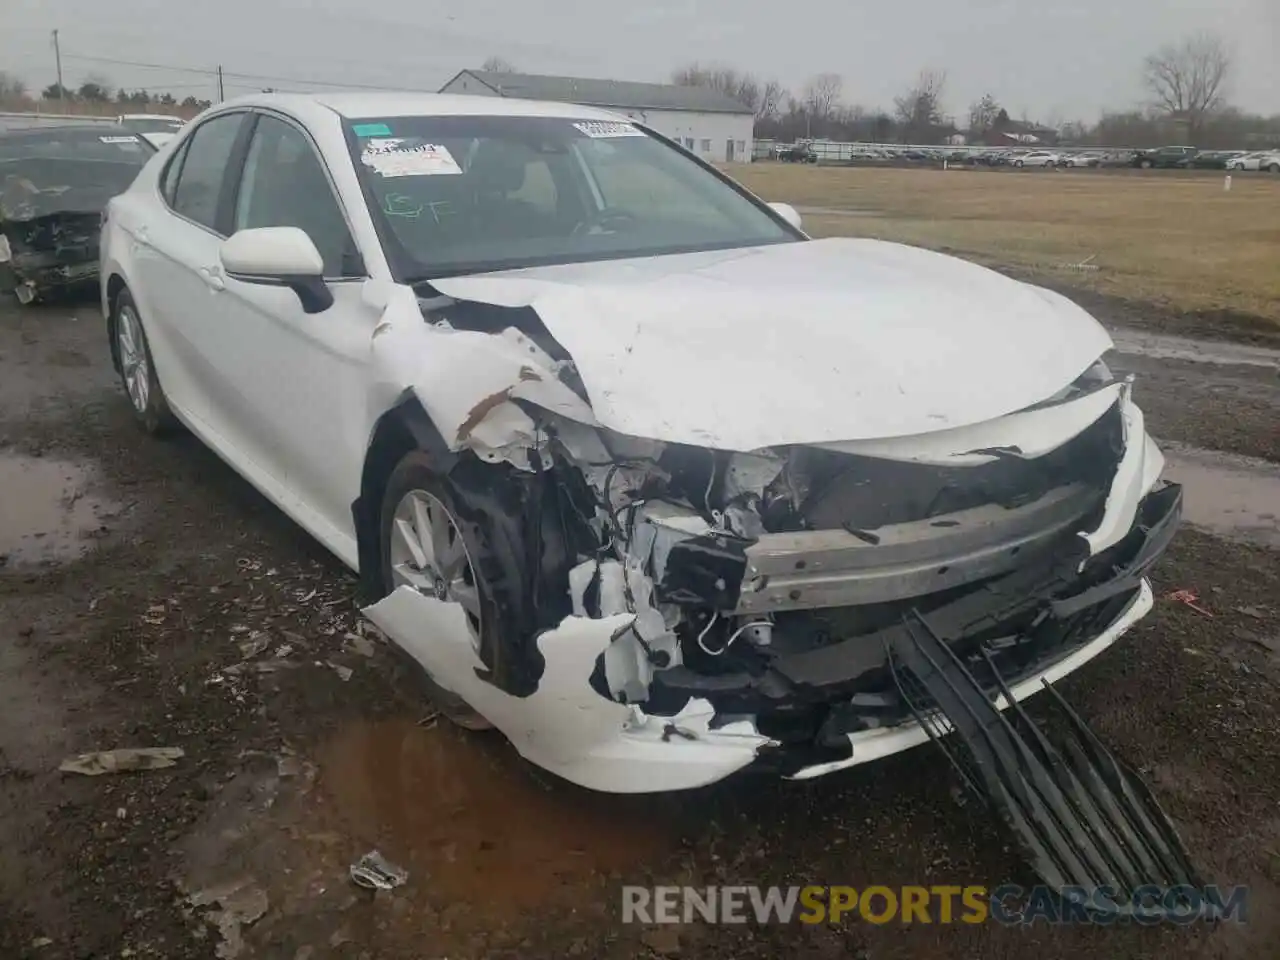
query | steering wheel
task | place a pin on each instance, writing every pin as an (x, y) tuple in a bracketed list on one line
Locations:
[(607, 220)]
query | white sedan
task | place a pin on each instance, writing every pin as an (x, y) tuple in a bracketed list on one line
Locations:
[(639, 473), (1038, 158), (1262, 160)]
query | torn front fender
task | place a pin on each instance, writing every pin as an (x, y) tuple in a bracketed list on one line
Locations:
[(565, 726), (468, 381)]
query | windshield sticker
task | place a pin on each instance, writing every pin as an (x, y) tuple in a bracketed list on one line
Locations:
[(391, 158), (603, 129), (398, 205), (371, 130), (382, 145), (118, 139)]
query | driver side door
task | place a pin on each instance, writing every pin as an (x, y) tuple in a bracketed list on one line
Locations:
[(294, 382)]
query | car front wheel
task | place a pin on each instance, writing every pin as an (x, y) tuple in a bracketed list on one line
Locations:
[(138, 369), (1274, 168), (425, 546)]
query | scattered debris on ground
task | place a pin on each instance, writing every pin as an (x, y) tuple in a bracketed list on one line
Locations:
[(373, 871), (240, 903), (125, 760)]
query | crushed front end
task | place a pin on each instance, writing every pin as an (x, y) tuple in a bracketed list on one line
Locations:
[(51, 207), (671, 613), (773, 586)]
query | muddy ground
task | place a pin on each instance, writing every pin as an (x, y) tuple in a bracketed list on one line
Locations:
[(150, 597)]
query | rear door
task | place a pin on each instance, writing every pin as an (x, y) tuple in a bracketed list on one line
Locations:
[(176, 289)]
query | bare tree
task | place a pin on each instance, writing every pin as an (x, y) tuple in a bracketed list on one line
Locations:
[(11, 87), (739, 85), (1188, 79), (919, 110), (982, 115), (822, 93), (498, 65), (772, 96)]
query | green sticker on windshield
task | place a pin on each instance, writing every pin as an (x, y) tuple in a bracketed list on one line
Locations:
[(371, 130)]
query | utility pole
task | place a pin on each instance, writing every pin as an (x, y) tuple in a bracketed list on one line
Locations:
[(221, 93), (57, 59)]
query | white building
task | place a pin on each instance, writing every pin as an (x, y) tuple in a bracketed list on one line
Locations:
[(710, 123)]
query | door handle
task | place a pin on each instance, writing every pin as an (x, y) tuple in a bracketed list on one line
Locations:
[(212, 276)]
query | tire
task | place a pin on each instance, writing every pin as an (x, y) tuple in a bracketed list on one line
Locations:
[(1273, 168), (1017, 163), (415, 483), (1145, 164), (138, 370)]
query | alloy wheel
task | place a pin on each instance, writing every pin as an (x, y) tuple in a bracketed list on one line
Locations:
[(429, 554), (133, 358)]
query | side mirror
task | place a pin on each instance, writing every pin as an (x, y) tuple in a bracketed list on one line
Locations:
[(788, 213), (278, 257)]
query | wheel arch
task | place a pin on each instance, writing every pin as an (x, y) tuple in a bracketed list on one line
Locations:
[(404, 427)]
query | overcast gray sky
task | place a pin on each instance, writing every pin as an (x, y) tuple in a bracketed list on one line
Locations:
[(1053, 59)]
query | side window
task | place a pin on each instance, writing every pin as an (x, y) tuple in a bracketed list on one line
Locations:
[(631, 180), (284, 185), (207, 157), (169, 180)]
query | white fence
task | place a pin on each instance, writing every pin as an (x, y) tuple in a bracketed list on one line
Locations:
[(832, 150)]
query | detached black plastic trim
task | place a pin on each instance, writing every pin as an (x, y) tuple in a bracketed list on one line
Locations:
[(1081, 816)]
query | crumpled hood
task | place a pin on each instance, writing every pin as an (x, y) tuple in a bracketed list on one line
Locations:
[(808, 342)]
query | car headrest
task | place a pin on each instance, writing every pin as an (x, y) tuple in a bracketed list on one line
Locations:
[(498, 166)]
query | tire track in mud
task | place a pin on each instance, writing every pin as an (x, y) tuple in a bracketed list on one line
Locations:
[(1215, 396)]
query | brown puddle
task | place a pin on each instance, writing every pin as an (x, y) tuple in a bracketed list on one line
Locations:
[(44, 512), (478, 825), (1231, 496)]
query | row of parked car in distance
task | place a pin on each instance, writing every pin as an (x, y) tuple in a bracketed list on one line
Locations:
[(1171, 157)]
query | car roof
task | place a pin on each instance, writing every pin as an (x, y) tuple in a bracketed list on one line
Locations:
[(408, 104)]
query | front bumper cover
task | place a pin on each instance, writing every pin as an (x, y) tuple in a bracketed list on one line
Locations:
[(568, 728)]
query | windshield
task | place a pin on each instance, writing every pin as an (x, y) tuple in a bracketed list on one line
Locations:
[(464, 194)]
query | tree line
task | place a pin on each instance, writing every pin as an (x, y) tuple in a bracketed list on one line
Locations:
[(1186, 81), (94, 91)]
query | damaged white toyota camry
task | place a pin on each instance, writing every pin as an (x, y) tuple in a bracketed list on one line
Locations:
[(639, 473)]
